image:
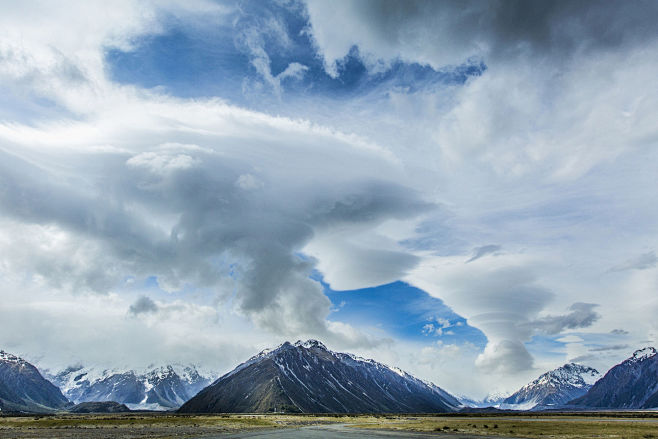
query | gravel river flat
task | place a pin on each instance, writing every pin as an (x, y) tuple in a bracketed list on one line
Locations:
[(345, 432)]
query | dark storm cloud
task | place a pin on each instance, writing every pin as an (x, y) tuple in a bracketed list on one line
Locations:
[(460, 29)]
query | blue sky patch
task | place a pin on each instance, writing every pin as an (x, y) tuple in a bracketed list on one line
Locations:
[(403, 311), (226, 59)]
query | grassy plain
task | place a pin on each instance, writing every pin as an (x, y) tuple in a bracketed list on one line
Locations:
[(167, 425), (563, 426)]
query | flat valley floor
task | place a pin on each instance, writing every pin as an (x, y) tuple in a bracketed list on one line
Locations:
[(626, 425)]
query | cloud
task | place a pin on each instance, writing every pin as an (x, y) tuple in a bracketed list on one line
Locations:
[(532, 50), (143, 305), (641, 262), (437, 327), (570, 339), (199, 195), (505, 357), (180, 205), (473, 122), (584, 359), (619, 332), (447, 33), (479, 252), (248, 182), (500, 298), (256, 34), (582, 315), (616, 347)]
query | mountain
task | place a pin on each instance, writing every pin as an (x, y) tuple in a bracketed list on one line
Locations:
[(491, 400), (22, 388), (307, 377), (553, 388), (633, 384), (161, 388), (99, 407)]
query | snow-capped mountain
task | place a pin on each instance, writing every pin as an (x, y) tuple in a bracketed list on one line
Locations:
[(160, 388), (23, 388), (633, 384), (491, 400), (553, 388), (309, 378)]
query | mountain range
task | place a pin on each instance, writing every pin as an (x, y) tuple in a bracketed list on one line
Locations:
[(156, 388), (553, 388), (306, 377), (632, 384)]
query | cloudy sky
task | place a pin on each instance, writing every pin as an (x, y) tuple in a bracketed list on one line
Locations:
[(464, 189)]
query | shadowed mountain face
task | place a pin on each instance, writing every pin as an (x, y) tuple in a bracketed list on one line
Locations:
[(309, 378), (99, 407), (633, 384), (161, 388), (553, 388), (22, 388)]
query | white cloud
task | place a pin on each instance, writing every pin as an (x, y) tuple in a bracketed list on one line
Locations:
[(549, 154), (146, 185), (570, 339)]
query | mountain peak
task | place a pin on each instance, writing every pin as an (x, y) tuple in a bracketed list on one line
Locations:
[(10, 358), (553, 388), (643, 354), (311, 343), (307, 377)]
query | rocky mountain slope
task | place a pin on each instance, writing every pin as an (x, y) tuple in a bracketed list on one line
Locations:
[(633, 384), (160, 388), (307, 377), (553, 388), (23, 388)]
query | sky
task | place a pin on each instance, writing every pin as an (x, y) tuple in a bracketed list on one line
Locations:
[(462, 189)]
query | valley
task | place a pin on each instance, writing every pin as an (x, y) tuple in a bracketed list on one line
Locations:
[(152, 425)]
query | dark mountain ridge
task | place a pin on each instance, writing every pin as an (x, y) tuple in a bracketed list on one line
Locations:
[(308, 378), (632, 384), (99, 407), (24, 389)]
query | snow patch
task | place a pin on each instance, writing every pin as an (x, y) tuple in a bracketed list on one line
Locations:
[(643, 354)]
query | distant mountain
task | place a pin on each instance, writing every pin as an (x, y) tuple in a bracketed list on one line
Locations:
[(308, 378), (99, 407), (161, 388), (553, 388), (491, 400), (22, 388), (633, 384)]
